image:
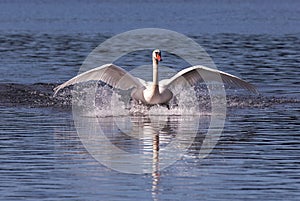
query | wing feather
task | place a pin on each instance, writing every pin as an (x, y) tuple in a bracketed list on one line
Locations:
[(108, 73), (197, 73)]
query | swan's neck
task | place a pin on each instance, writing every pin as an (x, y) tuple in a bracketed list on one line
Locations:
[(155, 72), (151, 94)]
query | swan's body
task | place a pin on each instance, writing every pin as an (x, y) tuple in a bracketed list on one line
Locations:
[(157, 92)]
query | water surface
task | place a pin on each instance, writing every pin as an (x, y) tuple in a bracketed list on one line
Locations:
[(256, 157)]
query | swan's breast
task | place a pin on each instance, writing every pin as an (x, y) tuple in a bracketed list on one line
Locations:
[(157, 95)]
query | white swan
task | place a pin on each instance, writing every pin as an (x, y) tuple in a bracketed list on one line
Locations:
[(155, 92)]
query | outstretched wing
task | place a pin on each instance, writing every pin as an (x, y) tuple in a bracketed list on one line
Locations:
[(195, 74), (108, 73)]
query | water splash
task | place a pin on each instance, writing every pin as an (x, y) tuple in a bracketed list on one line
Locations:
[(117, 103)]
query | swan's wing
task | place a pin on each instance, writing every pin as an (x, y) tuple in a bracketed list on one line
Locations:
[(108, 73), (195, 74)]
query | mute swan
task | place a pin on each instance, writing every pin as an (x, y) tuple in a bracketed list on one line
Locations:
[(155, 92)]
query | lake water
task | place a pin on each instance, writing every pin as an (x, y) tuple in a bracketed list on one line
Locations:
[(48, 152)]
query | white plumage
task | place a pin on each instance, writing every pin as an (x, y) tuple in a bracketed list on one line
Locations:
[(157, 92)]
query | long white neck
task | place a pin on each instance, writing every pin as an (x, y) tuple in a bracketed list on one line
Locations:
[(155, 71)]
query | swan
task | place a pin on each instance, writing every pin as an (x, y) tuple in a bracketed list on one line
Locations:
[(156, 92)]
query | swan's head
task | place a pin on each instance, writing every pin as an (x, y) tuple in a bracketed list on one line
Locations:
[(156, 55)]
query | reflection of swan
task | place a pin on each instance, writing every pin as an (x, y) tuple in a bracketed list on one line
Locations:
[(154, 92)]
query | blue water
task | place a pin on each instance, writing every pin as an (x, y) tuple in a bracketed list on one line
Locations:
[(188, 17), (42, 156)]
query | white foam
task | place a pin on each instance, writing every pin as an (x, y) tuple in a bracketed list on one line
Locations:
[(112, 104)]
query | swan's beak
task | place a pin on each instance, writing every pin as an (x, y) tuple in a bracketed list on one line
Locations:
[(158, 57)]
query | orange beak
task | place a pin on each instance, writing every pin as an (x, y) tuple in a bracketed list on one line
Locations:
[(158, 57)]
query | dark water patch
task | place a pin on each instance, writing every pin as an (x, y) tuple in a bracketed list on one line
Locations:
[(246, 101), (35, 95)]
